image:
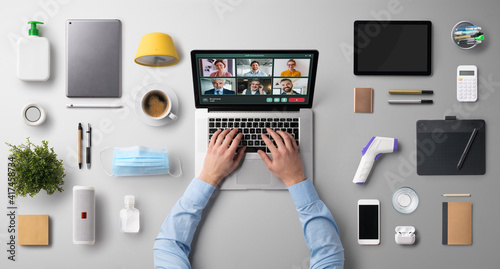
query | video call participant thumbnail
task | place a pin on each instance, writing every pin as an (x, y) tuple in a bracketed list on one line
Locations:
[(291, 72), (219, 87), (256, 88), (221, 67), (287, 87), (255, 72)]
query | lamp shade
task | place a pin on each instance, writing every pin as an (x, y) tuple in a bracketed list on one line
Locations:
[(156, 49)]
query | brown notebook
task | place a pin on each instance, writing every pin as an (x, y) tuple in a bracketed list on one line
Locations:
[(363, 100), (33, 230), (457, 223)]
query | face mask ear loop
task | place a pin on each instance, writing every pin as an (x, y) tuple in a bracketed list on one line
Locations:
[(100, 162), (180, 168)]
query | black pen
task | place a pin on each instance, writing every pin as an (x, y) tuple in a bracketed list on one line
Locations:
[(467, 148), (89, 143), (410, 101), (80, 138), (411, 92)]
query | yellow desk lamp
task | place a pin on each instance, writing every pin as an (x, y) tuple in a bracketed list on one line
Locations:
[(156, 49)]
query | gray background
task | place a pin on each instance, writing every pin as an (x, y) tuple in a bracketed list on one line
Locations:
[(256, 229)]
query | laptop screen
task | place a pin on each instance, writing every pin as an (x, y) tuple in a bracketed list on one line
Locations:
[(254, 79)]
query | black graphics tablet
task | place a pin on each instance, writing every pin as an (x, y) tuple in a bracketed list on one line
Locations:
[(392, 48)]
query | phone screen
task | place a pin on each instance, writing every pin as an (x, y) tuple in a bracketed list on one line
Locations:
[(368, 222)]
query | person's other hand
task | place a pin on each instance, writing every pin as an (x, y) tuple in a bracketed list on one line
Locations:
[(286, 163), (221, 158)]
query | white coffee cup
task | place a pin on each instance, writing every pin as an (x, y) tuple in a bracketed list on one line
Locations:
[(157, 105)]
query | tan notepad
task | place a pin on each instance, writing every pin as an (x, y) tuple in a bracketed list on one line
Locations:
[(33, 230), (457, 223), (363, 100)]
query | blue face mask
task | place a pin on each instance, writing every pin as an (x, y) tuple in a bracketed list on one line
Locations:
[(140, 161)]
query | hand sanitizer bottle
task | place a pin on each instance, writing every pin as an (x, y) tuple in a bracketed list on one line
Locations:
[(33, 56), (129, 216)]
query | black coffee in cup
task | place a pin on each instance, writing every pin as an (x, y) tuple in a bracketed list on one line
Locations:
[(155, 104)]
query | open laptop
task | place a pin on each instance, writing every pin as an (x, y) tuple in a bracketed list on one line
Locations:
[(252, 90)]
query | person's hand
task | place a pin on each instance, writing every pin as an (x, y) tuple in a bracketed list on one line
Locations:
[(261, 88), (221, 158), (286, 163)]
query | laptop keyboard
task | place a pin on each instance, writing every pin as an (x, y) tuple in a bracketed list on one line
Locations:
[(252, 128)]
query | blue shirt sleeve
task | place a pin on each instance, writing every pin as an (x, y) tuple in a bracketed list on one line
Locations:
[(319, 227), (173, 244)]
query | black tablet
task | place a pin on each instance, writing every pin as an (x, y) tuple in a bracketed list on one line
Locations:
[(392, 48)]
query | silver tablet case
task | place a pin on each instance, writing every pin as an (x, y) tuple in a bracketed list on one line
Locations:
[(93, 58)]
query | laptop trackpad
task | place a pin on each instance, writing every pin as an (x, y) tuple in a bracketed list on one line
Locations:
[(253, 172)]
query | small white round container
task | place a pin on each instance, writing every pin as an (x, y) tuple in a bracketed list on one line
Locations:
[(34, 114)]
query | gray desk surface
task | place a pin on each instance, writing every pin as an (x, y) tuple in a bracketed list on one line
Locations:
[(256, 229)]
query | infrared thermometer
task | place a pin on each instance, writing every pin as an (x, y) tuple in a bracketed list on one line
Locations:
[(370, 153)]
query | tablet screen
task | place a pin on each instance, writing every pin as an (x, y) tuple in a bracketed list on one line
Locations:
[(392, 48)]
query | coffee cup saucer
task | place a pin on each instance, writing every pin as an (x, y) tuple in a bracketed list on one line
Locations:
[(159, 87)]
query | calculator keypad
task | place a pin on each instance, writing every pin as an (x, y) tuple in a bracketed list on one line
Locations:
[(466, 89)]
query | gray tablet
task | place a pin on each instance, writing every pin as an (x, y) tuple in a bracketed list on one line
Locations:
[(93, 57)]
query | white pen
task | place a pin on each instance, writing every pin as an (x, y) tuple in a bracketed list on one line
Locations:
[(94, 105), (410, 101)]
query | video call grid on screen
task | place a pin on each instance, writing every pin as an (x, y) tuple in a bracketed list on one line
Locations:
[(232, 73)]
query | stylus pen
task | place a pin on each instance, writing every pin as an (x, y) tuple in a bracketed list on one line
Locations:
[(89, 141), (456, 195), (93, 105), (410, 101), (410, 92), (467, 148), (80, 138)]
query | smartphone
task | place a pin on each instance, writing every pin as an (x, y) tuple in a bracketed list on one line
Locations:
[(368, 222)]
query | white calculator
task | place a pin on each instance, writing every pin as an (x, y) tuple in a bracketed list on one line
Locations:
[(467, 83)]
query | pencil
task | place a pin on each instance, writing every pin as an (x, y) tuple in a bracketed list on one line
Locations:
[(410, 92), (456, 195)]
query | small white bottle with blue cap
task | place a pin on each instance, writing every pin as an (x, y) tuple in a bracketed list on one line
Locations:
[(129, 216), (33, 56)]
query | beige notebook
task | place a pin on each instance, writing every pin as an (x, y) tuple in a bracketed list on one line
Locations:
[(33, 230), (457, 223), (363, 100)]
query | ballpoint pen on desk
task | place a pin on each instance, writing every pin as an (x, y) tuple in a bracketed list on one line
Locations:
[(410, 101), (80, 137), (89, 141), (411, 92)]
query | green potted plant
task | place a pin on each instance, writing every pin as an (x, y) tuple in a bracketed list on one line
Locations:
[(35, 168)]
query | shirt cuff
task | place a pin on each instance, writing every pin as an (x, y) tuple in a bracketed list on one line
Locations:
[(303, 193), (199, 192)]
